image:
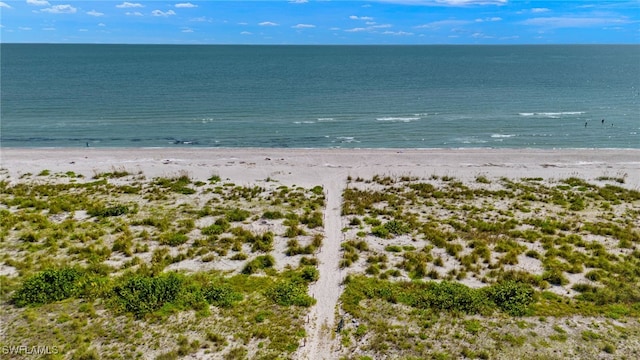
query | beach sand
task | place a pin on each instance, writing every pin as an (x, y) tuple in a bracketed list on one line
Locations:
[(308, 167), (329, 168)]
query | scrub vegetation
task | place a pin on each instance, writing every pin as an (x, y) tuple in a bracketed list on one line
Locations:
[(441, 268), (119, 266)]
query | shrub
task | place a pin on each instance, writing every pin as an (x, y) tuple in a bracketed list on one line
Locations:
[(511, 297), (221, 295), (396, 227), (272, 215), (555, 277), (452, 296), (393, 248), (259, 263), (310, 274), (290, 292), (109, 211), (140, 295), (380, 231), (312, 220), (173, 239), (48, 286), (237, 215), (263, 243), (220, 226)]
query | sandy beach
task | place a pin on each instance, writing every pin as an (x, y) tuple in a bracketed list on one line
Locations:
[(321, 166), (329, 168)]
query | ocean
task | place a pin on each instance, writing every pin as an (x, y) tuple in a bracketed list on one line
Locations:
[(556, 96)]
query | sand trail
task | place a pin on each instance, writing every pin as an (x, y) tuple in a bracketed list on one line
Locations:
[(321, 342)]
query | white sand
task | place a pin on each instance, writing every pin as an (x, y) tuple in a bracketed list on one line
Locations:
[(329, 168)]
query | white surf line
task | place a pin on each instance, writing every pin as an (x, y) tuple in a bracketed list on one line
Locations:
[(321, 342)]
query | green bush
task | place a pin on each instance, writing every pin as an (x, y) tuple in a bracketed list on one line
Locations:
[(109, 211), (451, 296), (259, 263), (310, 274), (220, 226), (140, 294), (290, 292), (173, 239), (512, 297), (396, 227), (272, 215), (237, 215), (312, 220), (555, 277), (221, 295), (48, 286), (380, 231)]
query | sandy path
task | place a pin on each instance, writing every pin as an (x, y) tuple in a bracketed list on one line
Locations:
[(320, 343)]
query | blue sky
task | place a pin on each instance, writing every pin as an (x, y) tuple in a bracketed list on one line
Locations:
[(321, 22)]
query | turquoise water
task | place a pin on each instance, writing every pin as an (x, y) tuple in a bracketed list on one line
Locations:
[(320, 96)]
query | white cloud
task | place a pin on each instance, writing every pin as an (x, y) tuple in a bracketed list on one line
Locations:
[(4, 5), (298, 1), (573, 21), (83, 30), (448, 2), (491, 19), (398, 33), (102, 24), (94, 13), (303, 26), (38, 2), (268, 23), (135, 13), (186, 5), (60, 9), (370, 28), (125, 5), (442, 23), (366, 18), (471, 2), (163, 13), (23, 28), (187, 30), (539, 10), (245, 33), (49, 29), (201, 19)]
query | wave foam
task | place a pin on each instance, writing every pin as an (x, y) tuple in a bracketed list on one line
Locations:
[(398, 119), (553, 115), (502, 135), (346, 139)]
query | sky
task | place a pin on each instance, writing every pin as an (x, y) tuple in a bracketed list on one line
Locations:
[(321, 22)]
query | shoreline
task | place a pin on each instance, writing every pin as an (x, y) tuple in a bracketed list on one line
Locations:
[(317, 166)]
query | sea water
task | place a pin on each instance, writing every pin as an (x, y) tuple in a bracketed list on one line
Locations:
[(557, 96)]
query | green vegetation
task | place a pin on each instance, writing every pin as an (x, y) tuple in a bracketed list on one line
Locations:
[(102, 270), (48, 286), (510, 297), (529, 248)]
